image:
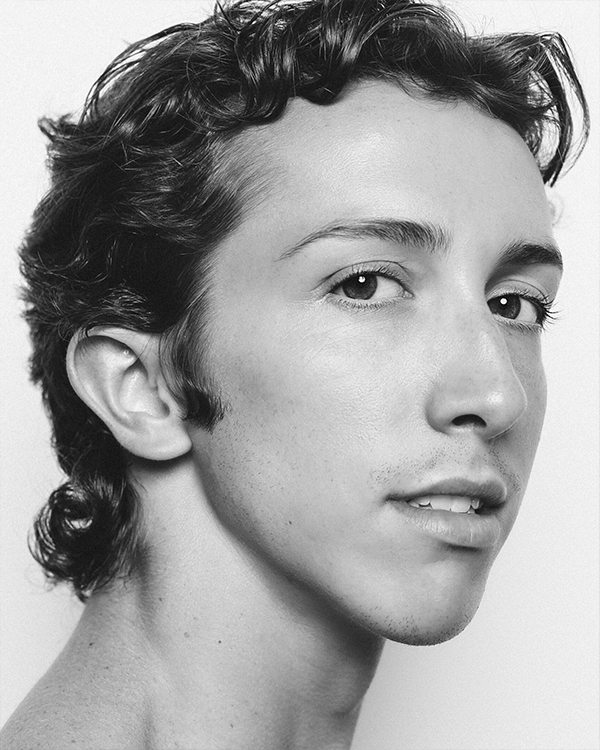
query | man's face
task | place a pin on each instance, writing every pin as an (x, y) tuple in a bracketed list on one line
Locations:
[(366, 367)]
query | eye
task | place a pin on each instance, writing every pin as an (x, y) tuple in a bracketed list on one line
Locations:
[(519, 308), (368, 286)]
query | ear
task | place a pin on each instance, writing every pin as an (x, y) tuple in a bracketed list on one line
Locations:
[(117, 373)]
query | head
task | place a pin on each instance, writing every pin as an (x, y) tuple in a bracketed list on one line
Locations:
[(328, 219)]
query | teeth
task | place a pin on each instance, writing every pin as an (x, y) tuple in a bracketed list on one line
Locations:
[(460, 504), (441, 503), (453, 504)]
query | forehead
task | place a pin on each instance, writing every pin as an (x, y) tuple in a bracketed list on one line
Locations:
[(378, 151)]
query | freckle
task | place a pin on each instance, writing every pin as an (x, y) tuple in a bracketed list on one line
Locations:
[(290, 523), (160, 598), (92, 643), (187, 635), (220, 641)]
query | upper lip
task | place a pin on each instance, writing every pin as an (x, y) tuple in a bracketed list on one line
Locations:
[(491, 492)]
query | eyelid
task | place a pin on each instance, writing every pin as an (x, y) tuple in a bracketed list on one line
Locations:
[(521, 289), (389, 269), (519, 286), (386, 269), (544, 302)]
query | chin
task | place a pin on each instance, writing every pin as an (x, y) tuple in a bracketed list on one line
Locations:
[(425, 615), (426, 632), (439, 618)]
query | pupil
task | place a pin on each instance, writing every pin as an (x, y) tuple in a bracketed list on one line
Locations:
[(362, 286), (509, 306)]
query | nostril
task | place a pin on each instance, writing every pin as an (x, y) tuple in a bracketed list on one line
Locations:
[(468, 420)]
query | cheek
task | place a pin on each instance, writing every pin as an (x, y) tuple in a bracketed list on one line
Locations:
[(303, 426), (309, 384), (527, 362)]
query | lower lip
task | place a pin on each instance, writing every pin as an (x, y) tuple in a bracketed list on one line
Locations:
[(473, 530)]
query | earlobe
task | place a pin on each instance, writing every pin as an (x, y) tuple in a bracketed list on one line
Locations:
[(117, 373)]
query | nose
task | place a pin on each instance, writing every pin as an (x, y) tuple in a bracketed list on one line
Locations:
[(476, 386)]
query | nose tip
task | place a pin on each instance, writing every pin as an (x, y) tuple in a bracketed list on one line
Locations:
[(481, 392)]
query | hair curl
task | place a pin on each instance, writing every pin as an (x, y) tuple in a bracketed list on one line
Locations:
[(150, 179)]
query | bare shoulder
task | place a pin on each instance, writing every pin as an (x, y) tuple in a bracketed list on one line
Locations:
[(42, 720), (89, 703), (27, 728), (55, 717)]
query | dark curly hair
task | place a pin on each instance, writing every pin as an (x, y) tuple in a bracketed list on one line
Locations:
[(151, 178)]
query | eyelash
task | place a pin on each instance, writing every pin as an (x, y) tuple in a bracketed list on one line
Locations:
[(544, 306), (548, 314), (388, 270)]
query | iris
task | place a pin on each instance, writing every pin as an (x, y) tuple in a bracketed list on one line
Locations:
[(361, 286), (508, 306)]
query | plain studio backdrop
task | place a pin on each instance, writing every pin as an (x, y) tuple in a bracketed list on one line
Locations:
[(524, 674)]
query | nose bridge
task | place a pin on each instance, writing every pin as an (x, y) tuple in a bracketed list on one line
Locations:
[(477, 386)]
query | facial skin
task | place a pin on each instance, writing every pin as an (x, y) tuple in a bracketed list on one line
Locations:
[(334, 405), (280, 548)]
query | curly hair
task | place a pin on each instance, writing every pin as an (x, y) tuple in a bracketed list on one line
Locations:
[(151, 178)]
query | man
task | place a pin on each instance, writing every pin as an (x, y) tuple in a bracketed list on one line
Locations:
[(286, 295)]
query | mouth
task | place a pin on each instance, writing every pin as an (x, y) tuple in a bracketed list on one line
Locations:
[(459, 512), (452, 503)]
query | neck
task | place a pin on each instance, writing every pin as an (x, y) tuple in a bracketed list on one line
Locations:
[(243, 657)]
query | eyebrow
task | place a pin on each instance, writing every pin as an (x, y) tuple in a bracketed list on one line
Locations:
[(521, 253), (432, 238), (399, 231)]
